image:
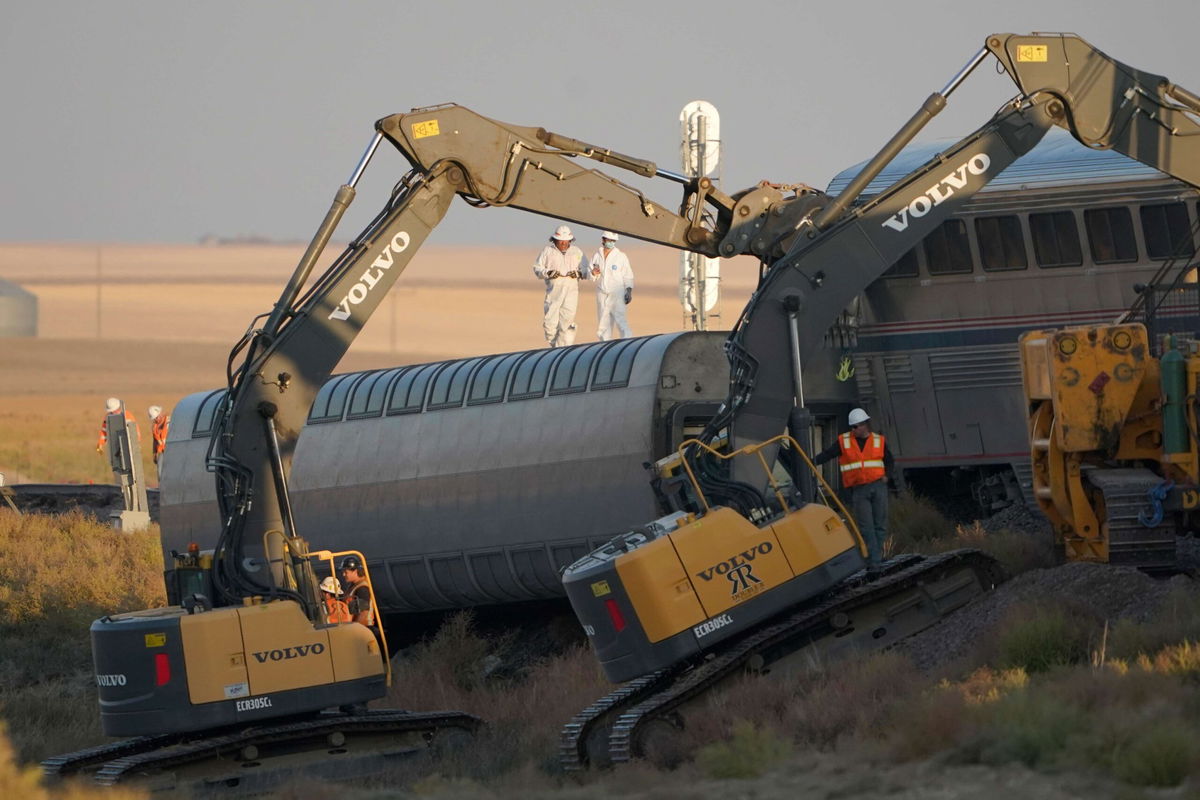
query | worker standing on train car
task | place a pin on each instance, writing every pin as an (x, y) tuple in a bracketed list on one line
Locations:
[(561, 266), (614, 288), (865, 464)]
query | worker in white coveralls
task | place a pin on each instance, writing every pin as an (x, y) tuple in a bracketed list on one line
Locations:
[(614, 288), (561, 266)]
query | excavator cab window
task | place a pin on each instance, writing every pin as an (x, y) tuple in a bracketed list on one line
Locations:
[(189, 582)]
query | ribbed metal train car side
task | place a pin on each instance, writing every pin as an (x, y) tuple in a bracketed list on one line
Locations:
[(1060, 238), (477, 491)]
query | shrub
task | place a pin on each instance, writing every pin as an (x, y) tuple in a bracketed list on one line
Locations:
[(1162, 754), (748, 753), (915, 524), (938, 719), (1017, 551), (1037, 639), (1176, 621), (1030, 727)]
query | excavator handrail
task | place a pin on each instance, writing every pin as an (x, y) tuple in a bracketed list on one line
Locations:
[(756, 450)]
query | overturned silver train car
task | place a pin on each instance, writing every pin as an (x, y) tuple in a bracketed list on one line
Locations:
[(471, 482)]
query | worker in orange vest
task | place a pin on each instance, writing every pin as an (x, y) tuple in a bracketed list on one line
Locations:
[(159, 423), (335, 608), (113, 405), (865, 464)]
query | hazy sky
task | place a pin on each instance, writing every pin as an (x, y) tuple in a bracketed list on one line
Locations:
[(163, 121)]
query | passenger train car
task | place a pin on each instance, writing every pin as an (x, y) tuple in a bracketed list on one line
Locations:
[(471, 482), (1059, 238)]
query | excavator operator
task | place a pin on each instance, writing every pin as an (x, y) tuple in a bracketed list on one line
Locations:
[(358, 591)]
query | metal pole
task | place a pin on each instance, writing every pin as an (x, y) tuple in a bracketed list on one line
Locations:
[(99, 281), (701, 262)]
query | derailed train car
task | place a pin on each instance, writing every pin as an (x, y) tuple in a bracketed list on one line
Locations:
[(471, 482)]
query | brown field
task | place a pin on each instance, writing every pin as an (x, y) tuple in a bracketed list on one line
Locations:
[(153, 323)]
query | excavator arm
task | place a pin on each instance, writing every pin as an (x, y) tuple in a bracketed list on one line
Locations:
[(454, 151), (1064, 81)]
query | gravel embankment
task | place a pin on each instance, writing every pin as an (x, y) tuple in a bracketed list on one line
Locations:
[(1105, 592)]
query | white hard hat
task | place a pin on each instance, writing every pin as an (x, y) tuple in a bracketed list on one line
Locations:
[(112, 405), (155, 411), (563, 234), (857, 416), (331, 585), (608, 235)]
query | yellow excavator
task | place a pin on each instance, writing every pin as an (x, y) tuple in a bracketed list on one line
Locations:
[(243, 671), (737, 575)]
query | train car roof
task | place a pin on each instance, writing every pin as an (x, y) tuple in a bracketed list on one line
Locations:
[(1058, 160)]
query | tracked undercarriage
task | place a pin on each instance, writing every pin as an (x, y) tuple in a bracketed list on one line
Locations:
[(640, 718), (329, 745)]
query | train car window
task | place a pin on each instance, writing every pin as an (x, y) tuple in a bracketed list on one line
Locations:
[(380, 390), (616, 364), (1001, 245), (450, 386), (563, 369), (362, 390), (207, 414), (1055, 239), (409, 392), (487, 386), (607, 363), (522, 374), (571, 374), (533, 373), (905, 267), (1167, 231), (946, 249), (331, 400), (1110, 235)]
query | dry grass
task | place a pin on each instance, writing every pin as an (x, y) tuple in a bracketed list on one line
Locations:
[(916, 526), (1134, 719), (22, 782), (59, 574)]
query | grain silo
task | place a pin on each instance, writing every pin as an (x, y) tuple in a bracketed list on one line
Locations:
[(18, 311)]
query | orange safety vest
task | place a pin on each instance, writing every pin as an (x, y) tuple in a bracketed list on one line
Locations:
[(130, 422), (159, 429), (861, 464), (336, 610)]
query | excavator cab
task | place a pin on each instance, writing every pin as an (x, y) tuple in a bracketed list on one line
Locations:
[(665, 592), (192, 667)]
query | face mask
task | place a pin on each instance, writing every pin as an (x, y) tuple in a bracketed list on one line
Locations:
[(607, 244)]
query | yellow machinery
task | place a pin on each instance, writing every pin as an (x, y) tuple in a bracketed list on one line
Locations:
[(680, 585), (1112, 440)]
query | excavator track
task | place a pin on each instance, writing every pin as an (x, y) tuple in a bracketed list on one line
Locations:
[(1127, 502), (243, 756), (919, 590)]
